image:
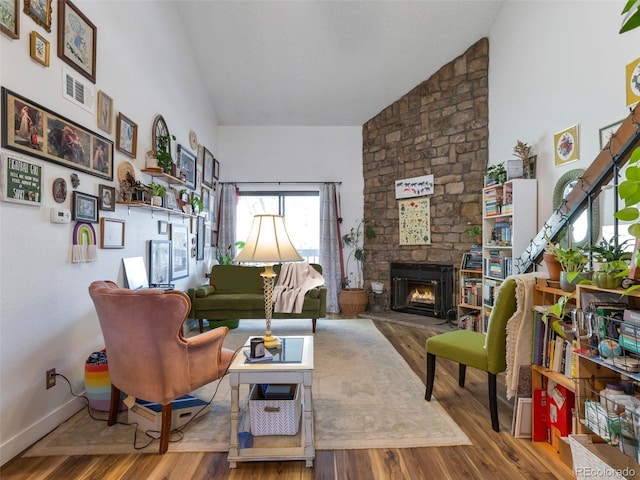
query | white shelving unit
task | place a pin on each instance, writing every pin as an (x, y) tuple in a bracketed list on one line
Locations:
[(509, 223)]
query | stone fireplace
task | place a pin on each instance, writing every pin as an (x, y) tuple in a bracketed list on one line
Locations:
[(422, 288)]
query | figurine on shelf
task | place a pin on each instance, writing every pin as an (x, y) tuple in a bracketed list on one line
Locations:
[(127, 188)]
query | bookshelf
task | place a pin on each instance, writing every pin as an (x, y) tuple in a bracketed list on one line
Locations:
[(509, 222), (470, 290)]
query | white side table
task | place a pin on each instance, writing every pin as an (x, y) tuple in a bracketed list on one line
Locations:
[(292, 364)]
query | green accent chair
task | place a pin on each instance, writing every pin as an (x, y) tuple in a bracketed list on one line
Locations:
[(484, 351)]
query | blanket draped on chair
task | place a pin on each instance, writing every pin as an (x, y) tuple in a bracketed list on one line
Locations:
[(520, 330), (294, 281)]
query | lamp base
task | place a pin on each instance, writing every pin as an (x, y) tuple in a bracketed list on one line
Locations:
[(271, 342)]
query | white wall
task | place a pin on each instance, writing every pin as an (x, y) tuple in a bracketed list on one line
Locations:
[(553, 65), (46, 316)]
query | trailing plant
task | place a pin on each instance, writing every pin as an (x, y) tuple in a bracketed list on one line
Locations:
[(558, 311), (157, 190), (629, 192), (163, 153), (197, 204), (632, 19), (474, 231), (355, 241)]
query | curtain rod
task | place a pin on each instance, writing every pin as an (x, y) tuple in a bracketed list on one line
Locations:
[(283, 183)]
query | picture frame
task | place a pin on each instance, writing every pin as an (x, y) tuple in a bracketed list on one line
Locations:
[(84, 207), (163, 227), (39, 48), (40, 12), (170, 200), (111, 233), (187, 165), (179, 251), (605, 133), (206, 199), (105, 112), (207, 167), (36, 131), (216, 169), (200, 237), (159, 262), (77, 37), (21, 180), (632, 77), (567, 145), (523, 418), (126, 135), (10, 22), (107, 196), (529, 166)]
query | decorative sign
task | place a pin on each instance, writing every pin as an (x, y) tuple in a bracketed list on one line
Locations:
[(414, 187), (415, 222), (22, 181)]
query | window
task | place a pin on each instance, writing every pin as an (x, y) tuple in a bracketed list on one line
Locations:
[(301, 211)]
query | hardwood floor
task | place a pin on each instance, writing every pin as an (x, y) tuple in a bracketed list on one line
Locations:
[(492, 455)]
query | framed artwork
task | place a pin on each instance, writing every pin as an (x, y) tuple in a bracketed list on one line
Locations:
[(163, 227), (10, 18), (414, 187), (84, 207), (206, 198), (126, 135), (607, 132), (21, 180), (633, 82), (76, 39), (170, 200), (523, 418), (159, 262), (207, 167), (179, 251), (567, 145), (187, 165), (105, 112), (415, 224), (39, 11), (529, 166), (39, 48), (111, 233), (36, 131), (216, 169), (200, 239), (107, 197)]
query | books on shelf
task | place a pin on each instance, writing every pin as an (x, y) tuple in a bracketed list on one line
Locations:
[(497, 265)]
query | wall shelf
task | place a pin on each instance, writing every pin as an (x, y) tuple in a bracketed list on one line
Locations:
[(154, 208), (171, 180)]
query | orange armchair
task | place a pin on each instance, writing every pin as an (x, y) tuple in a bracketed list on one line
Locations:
[(149, 358)]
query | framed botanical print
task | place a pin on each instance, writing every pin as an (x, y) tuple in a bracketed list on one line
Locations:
[(10, 18), (126, 136), (633, 82), (39, 48), (76, 39), (39, 11), (105, 112), (567, 145), (84, 207)]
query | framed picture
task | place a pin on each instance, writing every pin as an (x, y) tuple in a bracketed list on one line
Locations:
[(414, 221), (187, 165), (126, 135), (76, 39), (633, 82), (21, 180), (107, 197), (39, 48), (159, 262), (179, 251), (84, 207), (111, 233), (10, 19), (207, 167), (607, 132), (200, 239), (216, 169), (567, 146), (523, 418), (163, 227), (105, 112), (170, 200), (529, 166), (36, 131), (39, 11)]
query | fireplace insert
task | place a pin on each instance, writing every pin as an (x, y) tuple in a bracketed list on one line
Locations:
[(422, 288)]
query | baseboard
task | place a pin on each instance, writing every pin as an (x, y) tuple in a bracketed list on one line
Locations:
[(20, 442)]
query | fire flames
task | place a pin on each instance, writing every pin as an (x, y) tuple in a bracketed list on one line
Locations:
[(422, 294)]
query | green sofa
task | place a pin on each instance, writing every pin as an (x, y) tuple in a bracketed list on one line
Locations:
[(236, 291)]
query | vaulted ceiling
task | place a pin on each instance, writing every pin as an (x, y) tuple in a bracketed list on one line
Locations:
[(322, 62)]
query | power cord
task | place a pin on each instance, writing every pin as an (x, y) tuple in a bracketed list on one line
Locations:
[(153, 435)]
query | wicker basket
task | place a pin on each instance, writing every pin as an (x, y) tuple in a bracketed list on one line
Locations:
[(352, 301)]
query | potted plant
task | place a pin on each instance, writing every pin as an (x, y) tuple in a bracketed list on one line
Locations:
[(573, 261), (475, 233), (157, 191), (612, 263), (163, 152), (196, 204), (353, 297), (225, 257), (496, 174)]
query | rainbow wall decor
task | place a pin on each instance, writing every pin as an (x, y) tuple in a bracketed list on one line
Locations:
[(84, 243)]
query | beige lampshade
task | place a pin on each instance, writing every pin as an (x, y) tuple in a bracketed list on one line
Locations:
[(268, 242)]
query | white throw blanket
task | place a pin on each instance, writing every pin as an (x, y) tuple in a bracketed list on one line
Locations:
[(520, 330), (294, 281)]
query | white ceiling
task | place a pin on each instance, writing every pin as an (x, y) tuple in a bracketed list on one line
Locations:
[(324, 62)]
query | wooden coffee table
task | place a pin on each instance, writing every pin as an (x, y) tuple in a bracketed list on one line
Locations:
[(292, 364)]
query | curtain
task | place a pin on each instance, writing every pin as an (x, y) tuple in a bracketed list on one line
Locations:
[(227, 217), (331, 244)]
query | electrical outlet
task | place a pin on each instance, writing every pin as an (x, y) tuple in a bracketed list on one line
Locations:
[(50, 378)]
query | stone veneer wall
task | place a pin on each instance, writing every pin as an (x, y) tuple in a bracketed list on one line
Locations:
[(441, 128)]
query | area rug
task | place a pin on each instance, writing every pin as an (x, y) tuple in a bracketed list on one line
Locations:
[(364, 393)]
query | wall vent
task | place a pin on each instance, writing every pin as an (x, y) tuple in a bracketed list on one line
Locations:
[(76, 90)]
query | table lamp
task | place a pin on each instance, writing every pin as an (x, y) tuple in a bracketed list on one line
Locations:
[(268, 243)]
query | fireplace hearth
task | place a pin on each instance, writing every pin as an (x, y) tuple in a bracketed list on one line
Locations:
[(422, 288)]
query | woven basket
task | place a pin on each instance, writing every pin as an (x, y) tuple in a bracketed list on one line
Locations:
[(352, 301)]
